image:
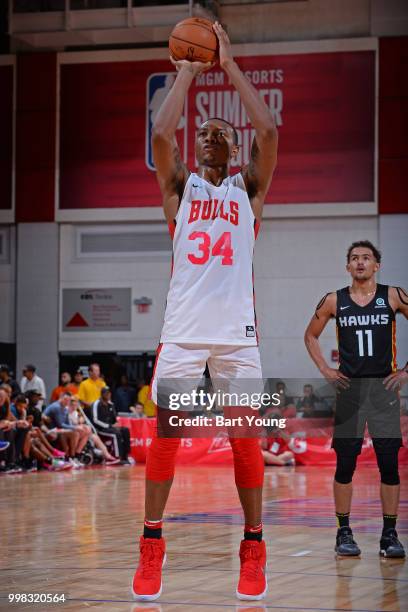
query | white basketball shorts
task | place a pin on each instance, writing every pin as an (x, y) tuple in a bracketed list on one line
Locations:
[(237, 368)]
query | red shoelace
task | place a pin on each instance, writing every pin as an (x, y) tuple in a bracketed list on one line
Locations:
[(151, 558), (251, 566)]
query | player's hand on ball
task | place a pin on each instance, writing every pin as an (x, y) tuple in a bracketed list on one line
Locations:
[(335, 377), (396, 380), (225, 52), (194, 67)]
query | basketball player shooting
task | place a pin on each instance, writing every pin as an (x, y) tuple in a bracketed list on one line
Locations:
[(368, 382), (213, 218)]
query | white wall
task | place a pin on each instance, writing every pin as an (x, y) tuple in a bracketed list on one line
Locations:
[(37, 299), (7, 286), (314, 19), (297, 261), (393, 243), (147, 275)]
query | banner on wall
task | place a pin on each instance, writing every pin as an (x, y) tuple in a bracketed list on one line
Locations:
[(322, 103), (307, 449), (99, 310), (6, 138)]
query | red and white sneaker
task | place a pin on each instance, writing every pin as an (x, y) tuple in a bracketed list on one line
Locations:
[(147, 581), (252, 583)]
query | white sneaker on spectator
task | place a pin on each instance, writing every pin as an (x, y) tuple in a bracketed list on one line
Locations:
[(60, 464), (76, 465), (112, 461)]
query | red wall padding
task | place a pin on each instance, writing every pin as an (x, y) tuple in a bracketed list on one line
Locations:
[(6, 135), (35, 136), (393, 126)]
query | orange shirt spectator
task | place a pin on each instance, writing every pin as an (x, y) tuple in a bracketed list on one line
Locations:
[(65, 385)]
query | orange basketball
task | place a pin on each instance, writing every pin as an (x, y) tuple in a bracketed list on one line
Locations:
[(194, 40)]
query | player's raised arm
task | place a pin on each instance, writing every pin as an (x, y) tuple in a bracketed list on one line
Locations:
[(325, 310), (258, 173), (398, 299), (172, 173)]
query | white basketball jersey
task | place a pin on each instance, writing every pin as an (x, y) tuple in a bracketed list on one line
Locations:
[(211, 295)]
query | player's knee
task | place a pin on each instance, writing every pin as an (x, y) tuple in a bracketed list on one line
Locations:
[(346, 465), (248, 462), (161, 459), (388, 467)]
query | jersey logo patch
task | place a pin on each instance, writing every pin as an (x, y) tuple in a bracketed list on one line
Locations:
[(344, 307), (250, 331), (380, 303)]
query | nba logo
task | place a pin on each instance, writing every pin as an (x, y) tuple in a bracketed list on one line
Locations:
[(157, 87)]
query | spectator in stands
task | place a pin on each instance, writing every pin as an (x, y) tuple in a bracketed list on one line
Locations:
[(65, 385), (31, 381), (143, 397), (7, 389), (36, 446), (311, 405), (13, 432), (33, 412), (71, 438), (287, 405), (76, 418), (274, 445), (307, 403), (18, 408), (137, 411), (90, 389), (105, 421), (124, 396), (5, 379), (78, 378)]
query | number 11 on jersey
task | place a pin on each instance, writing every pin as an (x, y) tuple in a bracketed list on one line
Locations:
[(360, 336)]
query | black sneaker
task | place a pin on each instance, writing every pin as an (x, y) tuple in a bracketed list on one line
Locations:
[(12, 468), (390, 546), (345, 544)]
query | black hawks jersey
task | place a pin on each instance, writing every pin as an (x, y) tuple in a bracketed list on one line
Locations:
[(366, 335)]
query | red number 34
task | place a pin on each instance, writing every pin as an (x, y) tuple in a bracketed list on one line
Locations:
[(222, 247)]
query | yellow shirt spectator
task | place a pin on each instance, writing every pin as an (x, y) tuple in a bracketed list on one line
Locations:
[(149, 407), (90, 390)]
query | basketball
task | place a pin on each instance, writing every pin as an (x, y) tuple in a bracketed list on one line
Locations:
[(194, 40)]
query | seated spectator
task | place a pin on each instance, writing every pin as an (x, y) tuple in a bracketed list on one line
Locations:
[(31, 381), (124, 396), (13, 432), (33, 412), (5, 379), (7, 389), (76, 418), (35, 445), (143, 397), (19, 407), (90, 389), (105, 421), (71, 438), (311, 405), (137, 411), (78, 378), (286, 406), (274, 446), (65, 385)]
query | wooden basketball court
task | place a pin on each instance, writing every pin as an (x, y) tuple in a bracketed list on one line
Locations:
[(76, 533)]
